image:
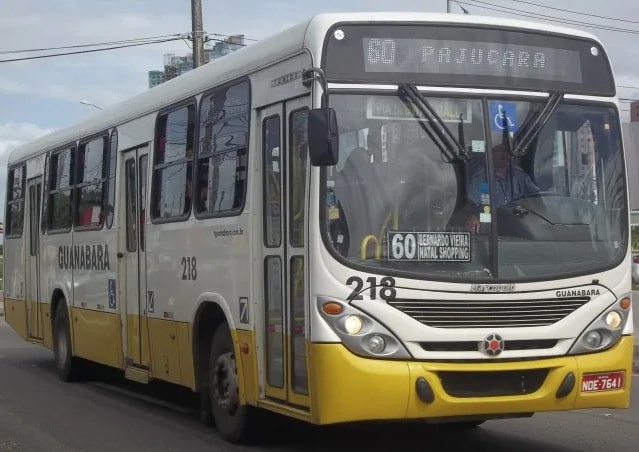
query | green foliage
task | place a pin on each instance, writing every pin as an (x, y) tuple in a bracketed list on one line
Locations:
[(634, 237)]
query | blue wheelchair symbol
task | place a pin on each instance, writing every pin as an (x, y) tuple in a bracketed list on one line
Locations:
[(112, 298), (504, 116)]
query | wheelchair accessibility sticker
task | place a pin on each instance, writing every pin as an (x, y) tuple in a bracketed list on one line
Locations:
[(503, 115)]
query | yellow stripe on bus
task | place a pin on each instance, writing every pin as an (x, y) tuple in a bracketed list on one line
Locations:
[(15, 315)]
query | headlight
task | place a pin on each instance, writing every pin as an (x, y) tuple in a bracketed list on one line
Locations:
[(614, 320), (606, 330), (359, 332), (593, 339), (376, 343), (353, 324)]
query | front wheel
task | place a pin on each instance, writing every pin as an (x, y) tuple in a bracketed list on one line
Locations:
[(67, 366), (233, 420)]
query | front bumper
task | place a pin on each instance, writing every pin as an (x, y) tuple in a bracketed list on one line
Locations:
[(347, 388)]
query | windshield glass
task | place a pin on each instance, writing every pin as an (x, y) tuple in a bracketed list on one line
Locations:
[(401, 202)]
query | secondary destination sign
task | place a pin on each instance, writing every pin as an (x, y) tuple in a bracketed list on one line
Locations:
[(429, 246)]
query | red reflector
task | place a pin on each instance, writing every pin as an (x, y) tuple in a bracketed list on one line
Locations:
[(635, 259), (603, 382)]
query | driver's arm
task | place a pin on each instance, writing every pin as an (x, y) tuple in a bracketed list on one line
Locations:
[(527, 184)]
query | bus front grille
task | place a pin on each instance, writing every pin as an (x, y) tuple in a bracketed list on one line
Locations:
[(492, 383), (473, 346), (490, 313)]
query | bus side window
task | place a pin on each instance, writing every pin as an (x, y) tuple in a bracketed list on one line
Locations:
[(15, 202), (173, 164), (92, 176), (60, 188), (112, 159), (223, 150)]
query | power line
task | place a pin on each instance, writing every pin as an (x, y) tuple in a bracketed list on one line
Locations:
[(576, 12), (124, 41), (224, 40), (89, 51), (182, 36), (533, 15), (228, 36)]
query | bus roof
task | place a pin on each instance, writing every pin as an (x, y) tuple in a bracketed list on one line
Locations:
[(308, 34)]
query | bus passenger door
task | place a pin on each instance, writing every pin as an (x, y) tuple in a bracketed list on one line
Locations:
[(284, 281), (133, 251), (32, 296), (273, 246), (296, 224)]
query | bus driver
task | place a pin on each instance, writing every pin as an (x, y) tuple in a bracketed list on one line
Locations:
[(511, 183)]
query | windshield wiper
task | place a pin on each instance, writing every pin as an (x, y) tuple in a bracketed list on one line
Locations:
[(460, 132), (530, 131), (446, 141)]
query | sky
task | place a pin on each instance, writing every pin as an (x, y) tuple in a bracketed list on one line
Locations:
[(42, 95)]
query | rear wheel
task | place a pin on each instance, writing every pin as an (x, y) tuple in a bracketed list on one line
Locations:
[(233, 420), (67, 366)]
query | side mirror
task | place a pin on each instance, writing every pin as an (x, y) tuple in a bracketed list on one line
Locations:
[(323, 142)]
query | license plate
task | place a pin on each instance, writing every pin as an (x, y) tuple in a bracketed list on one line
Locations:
[(602, 382)]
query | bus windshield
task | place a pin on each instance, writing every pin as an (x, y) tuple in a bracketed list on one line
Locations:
[(498, 207)]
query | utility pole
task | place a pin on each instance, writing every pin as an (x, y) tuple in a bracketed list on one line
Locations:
[(197, 33), (448, 6)]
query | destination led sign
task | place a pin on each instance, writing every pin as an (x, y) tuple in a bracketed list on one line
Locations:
[(466, 56), (471, 58)]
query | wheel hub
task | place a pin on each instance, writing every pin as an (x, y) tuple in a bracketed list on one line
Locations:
[(224, 384), (61, 346)]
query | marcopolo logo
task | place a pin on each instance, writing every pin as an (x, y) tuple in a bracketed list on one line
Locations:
[(492, 288)]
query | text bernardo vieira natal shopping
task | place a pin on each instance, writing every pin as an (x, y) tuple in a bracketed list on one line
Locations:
[(429, 246)]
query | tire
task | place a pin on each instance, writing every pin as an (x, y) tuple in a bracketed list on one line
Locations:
[(67, 366), (233, 420), (206, 415)]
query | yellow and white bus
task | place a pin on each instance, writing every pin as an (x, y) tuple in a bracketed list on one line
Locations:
[(365, 217)]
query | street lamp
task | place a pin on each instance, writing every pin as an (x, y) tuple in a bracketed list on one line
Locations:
[(86, 102)]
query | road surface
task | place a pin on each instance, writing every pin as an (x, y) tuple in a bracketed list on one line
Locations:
[(38, 413)]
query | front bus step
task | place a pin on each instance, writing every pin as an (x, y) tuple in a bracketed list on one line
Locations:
[(136, 374), (302, 414)]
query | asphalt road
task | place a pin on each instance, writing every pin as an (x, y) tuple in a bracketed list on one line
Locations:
[(38, 413)]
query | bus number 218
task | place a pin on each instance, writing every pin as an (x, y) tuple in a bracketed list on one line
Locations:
[(189, 268)]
